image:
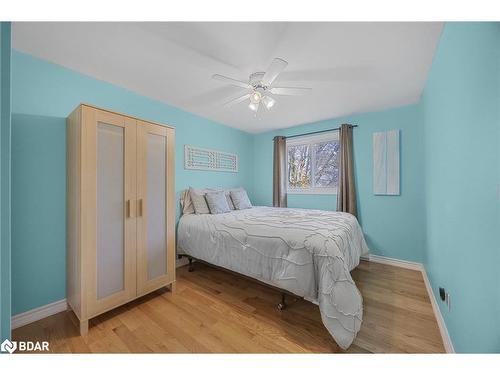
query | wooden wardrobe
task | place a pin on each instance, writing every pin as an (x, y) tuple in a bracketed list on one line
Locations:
[(120, 210)]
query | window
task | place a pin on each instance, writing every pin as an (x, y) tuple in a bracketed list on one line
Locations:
[(313, 164)]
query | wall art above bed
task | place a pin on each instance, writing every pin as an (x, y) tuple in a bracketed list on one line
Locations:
[(209, 160)]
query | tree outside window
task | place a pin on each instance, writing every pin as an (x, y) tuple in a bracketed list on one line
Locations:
[(313, 164)]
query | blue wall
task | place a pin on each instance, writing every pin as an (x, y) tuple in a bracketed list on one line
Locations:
[(388, 221), (43, 94), (462, 124), (39, 211), (448, 213), (5, 130)]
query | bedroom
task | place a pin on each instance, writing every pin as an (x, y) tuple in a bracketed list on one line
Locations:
[(251, 187)]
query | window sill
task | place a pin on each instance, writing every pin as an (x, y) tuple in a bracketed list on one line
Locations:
[(312, 192)]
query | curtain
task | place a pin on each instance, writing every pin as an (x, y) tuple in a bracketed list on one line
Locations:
[(279, 172), (346, 194)]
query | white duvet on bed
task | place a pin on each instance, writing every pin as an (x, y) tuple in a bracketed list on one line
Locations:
[(307, 252)]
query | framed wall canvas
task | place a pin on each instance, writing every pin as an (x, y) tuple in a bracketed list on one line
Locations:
[(386, 163)]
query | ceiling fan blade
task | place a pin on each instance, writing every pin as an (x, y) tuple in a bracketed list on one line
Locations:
[(340, 73), (232, 81), (237, 100), (273, 71), (290, 90)]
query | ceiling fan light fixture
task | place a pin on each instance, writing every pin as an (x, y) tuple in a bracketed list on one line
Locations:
[(256, 97), (254, 106), (260, 84), (268, 102)]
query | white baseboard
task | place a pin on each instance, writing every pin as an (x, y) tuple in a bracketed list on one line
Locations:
[(181, 262), (41, 312), (393, 262), (448, 345)]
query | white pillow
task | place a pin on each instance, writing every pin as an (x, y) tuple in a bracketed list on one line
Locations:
[(240, 199), (199, 202), (217, 202), (187, 204)]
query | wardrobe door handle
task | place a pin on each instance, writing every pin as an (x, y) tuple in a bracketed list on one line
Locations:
[(129, 208), (140, 208)]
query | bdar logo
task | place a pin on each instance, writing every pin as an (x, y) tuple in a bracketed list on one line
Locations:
[(8, 346), (24, 346)]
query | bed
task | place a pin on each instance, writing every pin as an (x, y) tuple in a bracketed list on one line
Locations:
[(309, 253)]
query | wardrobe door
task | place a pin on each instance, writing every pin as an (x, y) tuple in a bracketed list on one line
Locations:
[(156, 210), (109, 167)]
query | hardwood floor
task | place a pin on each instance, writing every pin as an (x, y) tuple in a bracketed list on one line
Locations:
[(216, 311)]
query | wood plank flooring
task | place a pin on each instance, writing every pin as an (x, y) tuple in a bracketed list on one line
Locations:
[(216, 311)]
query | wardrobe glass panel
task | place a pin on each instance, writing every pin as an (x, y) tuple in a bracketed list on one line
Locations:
[(156, 206), (110, 209)]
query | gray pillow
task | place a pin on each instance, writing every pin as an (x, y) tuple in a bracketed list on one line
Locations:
[(217, 202), (240, 199), (229, 201), (199, 202)]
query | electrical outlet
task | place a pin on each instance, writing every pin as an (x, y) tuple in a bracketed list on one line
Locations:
[(442, 294)]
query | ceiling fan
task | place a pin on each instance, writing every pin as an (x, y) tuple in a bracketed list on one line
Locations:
[(260, 85)]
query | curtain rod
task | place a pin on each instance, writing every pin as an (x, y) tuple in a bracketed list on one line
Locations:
[(319, 131)]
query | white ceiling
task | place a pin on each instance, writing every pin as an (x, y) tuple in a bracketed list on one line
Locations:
[(351, 67)]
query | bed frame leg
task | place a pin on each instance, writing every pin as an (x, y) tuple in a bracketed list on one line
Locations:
[(282, 304), (191, 268)]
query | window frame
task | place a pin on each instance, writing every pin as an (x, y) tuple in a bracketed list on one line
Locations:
[(311, 140)]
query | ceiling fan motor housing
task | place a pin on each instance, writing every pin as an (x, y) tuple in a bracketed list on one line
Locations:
[(255, 80)]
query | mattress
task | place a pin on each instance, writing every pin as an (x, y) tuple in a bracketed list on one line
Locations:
[(307, 252)]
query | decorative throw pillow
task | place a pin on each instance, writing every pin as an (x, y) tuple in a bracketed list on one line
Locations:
[(186, 203), (240, 199), (229, 200), (217, 202), (199, 202)]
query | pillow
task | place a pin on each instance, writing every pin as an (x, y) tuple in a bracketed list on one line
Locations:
[(198, 201), (217, 202), (228, 194), (186, 203), (240, 199), (229, 200)]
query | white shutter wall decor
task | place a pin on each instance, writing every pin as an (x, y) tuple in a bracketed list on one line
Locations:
[(209, 160)]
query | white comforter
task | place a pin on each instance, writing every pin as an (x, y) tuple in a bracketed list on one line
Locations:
[(307, 252)]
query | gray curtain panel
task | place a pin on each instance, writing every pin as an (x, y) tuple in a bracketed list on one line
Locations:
[(346, 194), (279, 172)]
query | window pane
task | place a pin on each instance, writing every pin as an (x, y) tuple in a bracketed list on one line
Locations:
[(299, 166), (326, 168)]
